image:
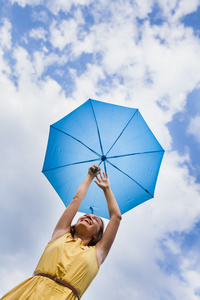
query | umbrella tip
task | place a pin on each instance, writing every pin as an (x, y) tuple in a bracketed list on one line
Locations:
[(92, 210), (103, 158)]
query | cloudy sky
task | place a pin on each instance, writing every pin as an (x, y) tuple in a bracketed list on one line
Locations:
[(54, 55)]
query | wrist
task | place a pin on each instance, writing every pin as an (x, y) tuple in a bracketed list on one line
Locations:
[(90, 176), (107, 189)]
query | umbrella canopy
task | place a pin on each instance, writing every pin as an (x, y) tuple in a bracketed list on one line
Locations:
[(115, 137)]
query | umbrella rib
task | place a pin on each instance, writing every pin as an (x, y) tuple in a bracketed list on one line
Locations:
[(130, 178), (122, 132), (77, 140), (75, 163), (138, 153), (97, 128)]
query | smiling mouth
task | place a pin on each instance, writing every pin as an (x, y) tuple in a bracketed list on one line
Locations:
[(88, 221)]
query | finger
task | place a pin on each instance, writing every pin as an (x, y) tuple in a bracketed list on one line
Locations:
[(104, 175), (101, 175), (98, 178), (97, 166), (94, 169)]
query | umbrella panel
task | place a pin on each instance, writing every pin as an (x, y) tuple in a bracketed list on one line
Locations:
[(141, 168), (111, 121), (81, 125), (63, 150), (135, 138)]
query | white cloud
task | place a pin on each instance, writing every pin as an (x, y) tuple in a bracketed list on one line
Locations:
[(174, 10), (5, 34), (147, 64), (158, 62), (41, 16), (38, 33), (42, 60), (86, 85), (185, 7), (194, 127), (63, 33), (53, 6), (23, 3), (191, 273), (143, 8), (172, 64), (56, 6)]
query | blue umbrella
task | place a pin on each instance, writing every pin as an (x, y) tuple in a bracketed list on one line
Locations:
[(115, 137)]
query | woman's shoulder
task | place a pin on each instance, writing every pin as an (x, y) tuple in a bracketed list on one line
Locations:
[(59, 234)]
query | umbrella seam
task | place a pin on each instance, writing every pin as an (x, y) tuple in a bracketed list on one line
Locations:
[(131, 178), (75, 163), (137, 153), (77, 140), (122, 131), (101, 146)]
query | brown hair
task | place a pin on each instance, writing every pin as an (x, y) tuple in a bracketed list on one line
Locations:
[(93, 241)]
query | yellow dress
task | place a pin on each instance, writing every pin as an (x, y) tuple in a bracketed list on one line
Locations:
[(66, 258)]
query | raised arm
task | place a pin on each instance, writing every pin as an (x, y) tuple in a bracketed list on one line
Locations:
[(104, 245), (65, 221)]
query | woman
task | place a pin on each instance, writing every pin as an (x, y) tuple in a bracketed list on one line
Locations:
[(72, 258)]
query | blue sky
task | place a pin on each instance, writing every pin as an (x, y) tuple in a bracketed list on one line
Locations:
[(54, 55), (183, 140)]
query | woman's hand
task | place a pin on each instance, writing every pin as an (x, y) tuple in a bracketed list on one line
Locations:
[(103, 182), (94, 170)]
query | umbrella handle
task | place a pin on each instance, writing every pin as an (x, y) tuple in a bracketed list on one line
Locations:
[(95, 170)]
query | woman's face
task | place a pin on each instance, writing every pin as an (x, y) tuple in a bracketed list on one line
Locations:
[(90, 224)]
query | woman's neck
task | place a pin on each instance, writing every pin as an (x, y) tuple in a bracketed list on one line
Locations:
[(85, 240)]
